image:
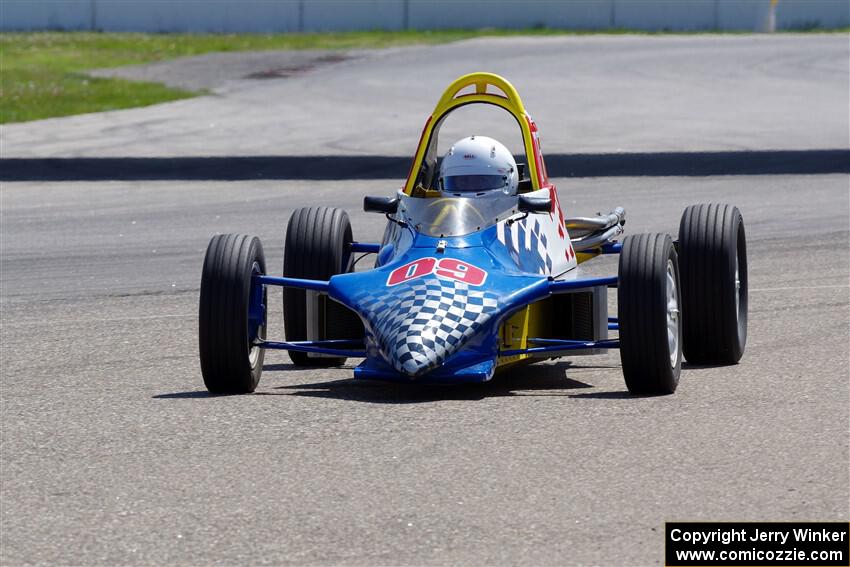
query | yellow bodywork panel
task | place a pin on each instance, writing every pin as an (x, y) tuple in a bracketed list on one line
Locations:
[(452, 99), (587, 255), (532, 321)]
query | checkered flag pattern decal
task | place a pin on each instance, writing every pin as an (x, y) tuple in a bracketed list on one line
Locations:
[(420, 323), (527, 245)]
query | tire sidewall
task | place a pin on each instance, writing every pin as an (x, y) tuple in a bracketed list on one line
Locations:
[(642, 313), (256, 257), (223, 326), (677, 368), (737, 330)]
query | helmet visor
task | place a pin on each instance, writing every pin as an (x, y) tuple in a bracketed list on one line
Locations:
[(464, 183)]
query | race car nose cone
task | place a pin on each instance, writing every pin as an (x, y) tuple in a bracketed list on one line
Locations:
[(419, 324)]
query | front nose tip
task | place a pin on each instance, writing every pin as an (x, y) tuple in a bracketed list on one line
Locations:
[(412, 359)]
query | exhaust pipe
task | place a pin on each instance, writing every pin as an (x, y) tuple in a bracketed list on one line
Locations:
[(592, 224), (597, 239)]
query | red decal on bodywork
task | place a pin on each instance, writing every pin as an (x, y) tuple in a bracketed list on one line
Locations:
[(450, 268), (412, 270), (461, 271), (542, 176)]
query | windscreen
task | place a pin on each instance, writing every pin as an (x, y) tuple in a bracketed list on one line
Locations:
[(455, 216)]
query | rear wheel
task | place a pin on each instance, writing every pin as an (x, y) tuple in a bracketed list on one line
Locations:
[(318, 246), (232, 314), (713, 251), (648, 313)]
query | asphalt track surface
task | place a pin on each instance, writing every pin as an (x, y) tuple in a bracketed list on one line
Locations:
[(112, 452)]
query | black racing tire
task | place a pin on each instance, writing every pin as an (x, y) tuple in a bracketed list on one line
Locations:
[(229, 364), (648, 314), (318, 246), (713, 253)]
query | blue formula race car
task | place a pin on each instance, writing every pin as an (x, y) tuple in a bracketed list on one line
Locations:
[(478, 270)]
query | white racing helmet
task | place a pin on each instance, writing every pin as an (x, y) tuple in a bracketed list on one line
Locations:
[(478, 165)]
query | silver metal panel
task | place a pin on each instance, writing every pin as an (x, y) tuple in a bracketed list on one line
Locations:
[(314, 325)]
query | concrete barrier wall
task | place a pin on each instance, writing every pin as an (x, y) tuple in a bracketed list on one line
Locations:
[(262, 16)]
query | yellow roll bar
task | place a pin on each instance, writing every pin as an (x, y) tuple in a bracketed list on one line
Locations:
[(452, 99)]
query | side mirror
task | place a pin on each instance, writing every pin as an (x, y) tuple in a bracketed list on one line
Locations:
[(534, 204), (385, 205)]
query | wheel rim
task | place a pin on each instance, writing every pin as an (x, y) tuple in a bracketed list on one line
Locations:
[(254, 354), (737, 288), (672, 314), (740, 294), (253, 350)]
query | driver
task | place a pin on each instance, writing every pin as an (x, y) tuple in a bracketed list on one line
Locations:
[(478, 166)]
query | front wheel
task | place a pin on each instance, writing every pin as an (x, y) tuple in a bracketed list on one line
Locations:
[(232, 314), (649, 314)]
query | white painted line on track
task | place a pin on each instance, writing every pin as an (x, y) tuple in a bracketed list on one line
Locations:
[(105, 319)]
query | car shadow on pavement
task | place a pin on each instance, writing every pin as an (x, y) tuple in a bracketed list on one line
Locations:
[(615, 395), (624, 394), (280, 366), (549, 380), (183, 395), (542, 380), (690, 366)]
